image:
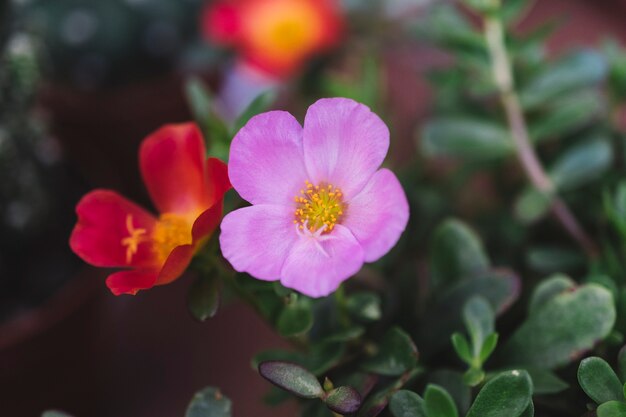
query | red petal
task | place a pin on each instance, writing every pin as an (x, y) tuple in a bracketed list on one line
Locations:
[(176, 264), (217, 180), (207, 222), (172, 161), (221, 23), (130, 282), (101, 227)]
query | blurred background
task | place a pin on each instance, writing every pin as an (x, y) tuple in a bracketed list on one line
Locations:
[(81, 84)]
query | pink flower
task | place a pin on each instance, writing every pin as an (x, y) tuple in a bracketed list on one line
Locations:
[(321, 206)]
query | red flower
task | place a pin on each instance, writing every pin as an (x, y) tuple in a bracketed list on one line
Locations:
[(276, 36), (186, 189)]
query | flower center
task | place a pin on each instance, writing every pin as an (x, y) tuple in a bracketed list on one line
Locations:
[(170, 231), (319, 206)]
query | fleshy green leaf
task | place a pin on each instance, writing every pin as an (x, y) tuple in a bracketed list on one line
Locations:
[(462, 348), (438, 402), (500, 288), (454, 384), (292, 378), (295, 319), (574, 72), (489, 346), (473, 377), (546, 382), (406, 403), (364, 306), (479, 318), (54, 413), (397, 354), (209, 402), (568, 115), (621, 361), (466, 139), (456, 252), (581, 164), (204, 296), (551, 259), (343, 400), (548, 289), (506, 395), (567, 325), (599, 381), (531, 205), (612, 409), (259, 105)]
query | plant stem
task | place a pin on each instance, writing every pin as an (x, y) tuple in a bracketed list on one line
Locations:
[(503, 75)]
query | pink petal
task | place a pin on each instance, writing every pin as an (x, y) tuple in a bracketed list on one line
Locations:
[(257, 239), (130, 282), (266, 164), (378, 215), (317, 268), (344, 143)]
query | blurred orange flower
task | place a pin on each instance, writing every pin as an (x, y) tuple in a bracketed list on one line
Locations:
[(276, 36)]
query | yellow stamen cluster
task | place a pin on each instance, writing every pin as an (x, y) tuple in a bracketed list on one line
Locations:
[(170, 230), (136, 236), (319, 206)]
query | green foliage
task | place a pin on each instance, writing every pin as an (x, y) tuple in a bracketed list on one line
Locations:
[(364, 306), (291, 377), (209, 402), (295, 319), (438, 403), (599, 381), (396, 354), (456, 252), (204, 296), (565, 326), (343, 400), (612, 409), (507, 395), (54, 413), (407, 404)]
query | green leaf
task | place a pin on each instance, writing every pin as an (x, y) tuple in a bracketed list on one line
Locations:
[(531, 205), (499, 287), (456, 252), (574, 72), (406, 403), (54, 413), (291, 377), (479, 318), (621, 361), (473, 377), (599, 381), (259, 105), (294, 320), (462, 348), (530, 410), (548, 289), (567, 116), (454, 384), (438, 402), (209, 402), (567, 325), (550, 259), (612, 409), (199, 99), (546, 382), (506, 395), (396, 354), (343, 400), (364, 306), (581, 164), (466, 139), (489, 346), (204, 296)]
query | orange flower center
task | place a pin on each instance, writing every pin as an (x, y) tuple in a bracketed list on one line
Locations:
[(170, 231), (284, 30), (319, 207)]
